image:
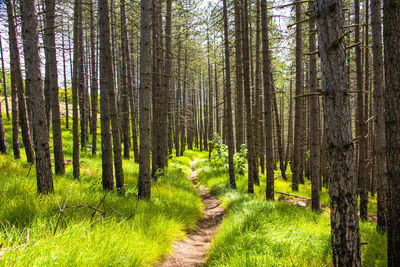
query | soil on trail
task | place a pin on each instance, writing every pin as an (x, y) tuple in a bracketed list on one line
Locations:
[(193, 250)]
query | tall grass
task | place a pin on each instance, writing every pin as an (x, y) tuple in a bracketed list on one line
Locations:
[(129, 233), (256, 232)]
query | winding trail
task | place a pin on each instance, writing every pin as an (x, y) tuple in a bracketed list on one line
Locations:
[(193, 250)]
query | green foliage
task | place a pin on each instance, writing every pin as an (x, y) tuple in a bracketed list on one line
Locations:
[(219, 157)]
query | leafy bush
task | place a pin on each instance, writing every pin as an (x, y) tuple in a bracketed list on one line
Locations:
[(219, 158)]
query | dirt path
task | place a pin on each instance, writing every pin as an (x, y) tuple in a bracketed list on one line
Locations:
[(193, 250)]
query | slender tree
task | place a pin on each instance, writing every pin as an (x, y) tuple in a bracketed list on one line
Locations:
[(16, 78), (342, 189), (314, 114), (4, 80), (144, 183), (76, 84), (379, 107), (246, 83), (50, 42), (33, 76), (391, 37), (297, 167), (239, 120), (231, 146), (267, 101)]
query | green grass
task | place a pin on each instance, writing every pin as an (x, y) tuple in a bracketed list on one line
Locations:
[(256, 232), (134, 233)]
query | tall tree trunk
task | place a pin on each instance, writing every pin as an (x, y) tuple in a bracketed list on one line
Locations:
[(184, 99), (94, 84), (314, 114), (4, 78), (267, 102), (239, 120), (144, 183), (106, 80), (360, 121), (33, 76), (107, 84), (159, 127), (258, 93), (278, 129), (133, 104), (289, 146), (210, 101), (15, 123), (391, 36), (298, 113), (76, 85), (342, 188), (3, 144), (379, 106), (231, 145), (167, 73), (125, 85), (246, 83), (16, 78), (65, 75), (50, 42), (178, 98)]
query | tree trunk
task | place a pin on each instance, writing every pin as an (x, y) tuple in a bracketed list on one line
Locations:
[(231, 144), (168, 71), (360, 121), (16, 78), (107, 85), (50, 42), (267, 102), (33, 76), (391, 36), (76, 85), (124, 82), (144, 183), (94, 84), (239, 120), (297, 168), (314, 114), (379, 106), (134, 105), (65, 75), (4, 78), (342, 189)]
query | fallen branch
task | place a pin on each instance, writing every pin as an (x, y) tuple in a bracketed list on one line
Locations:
[(290, 195), (62, 209)]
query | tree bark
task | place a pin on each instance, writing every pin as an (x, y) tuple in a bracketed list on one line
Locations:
[(379, 108), (107, 85), (239, 120), (93, 84), (144, 183), (33, 76), (231, 144), (360, 121), (50, 42), (314, 114), (4, 79), (267, 102), (340, 145), (298, 113), (391, 37), (16, 78)]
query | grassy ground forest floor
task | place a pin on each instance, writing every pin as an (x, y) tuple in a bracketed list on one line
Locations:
[(80, 224)]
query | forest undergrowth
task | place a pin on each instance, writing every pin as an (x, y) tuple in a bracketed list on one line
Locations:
[(96, 228), (256, 232)]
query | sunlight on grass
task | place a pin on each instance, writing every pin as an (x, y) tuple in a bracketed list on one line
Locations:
[(256, 232), (130, 233)]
